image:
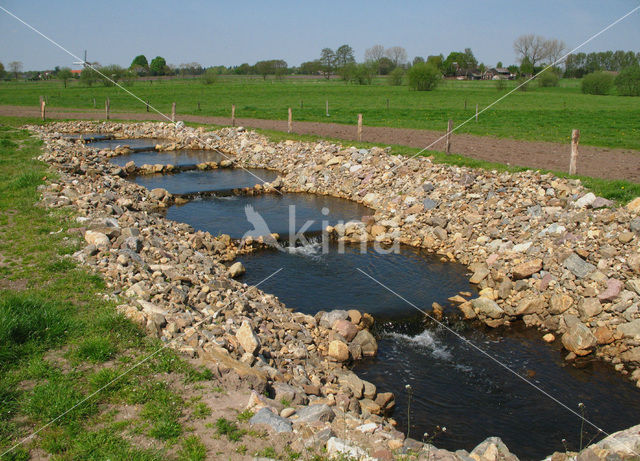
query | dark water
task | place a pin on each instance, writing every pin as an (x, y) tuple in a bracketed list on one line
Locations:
[(453, 385), (176, 158), (134, 144), (191, 182), (268, 213)]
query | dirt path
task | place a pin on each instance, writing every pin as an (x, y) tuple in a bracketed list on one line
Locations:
[(599, 162)]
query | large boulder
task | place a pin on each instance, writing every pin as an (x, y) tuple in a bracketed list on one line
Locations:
[(527, 269), (487, 308), (579, 339), (98, 239), (339, 351), (312, 413), (367, 343), (268, 418), (247, 338)]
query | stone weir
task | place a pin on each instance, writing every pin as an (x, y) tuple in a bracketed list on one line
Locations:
[(541, 249)]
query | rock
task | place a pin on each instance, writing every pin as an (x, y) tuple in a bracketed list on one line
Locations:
[(578, 266), (504, 288), (487, 308), (586, 200), (367, 342), (370, 390), (275, 422), (327, 319), (630, 330), (601, 202), (158, 193), (355, 316), (236, 269), (589, 307), (634, 205), (429, 204), (632, 355), (612, 292), (604, 335), (467, 310), (549, 338), (634, 285), (98, 239), (312, 413), (530, 305), (492, 449), (346, 329), (625, 237), (369, 406), (247, 338), (479, 275), (286, 412), (559, 303), (339, 448), (527, 269), (355, 384), (339, 351), (579, 339)]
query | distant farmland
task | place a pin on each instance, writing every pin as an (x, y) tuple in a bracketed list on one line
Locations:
[(542, 114)]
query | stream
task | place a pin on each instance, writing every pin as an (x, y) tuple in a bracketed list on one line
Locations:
[(452, 384)]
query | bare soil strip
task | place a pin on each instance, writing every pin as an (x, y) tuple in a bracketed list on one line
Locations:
[(597, 162)]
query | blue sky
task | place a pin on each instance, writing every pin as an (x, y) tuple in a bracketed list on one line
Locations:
[(229, 33)]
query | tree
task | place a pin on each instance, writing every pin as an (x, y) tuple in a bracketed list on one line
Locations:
[(344, 56), (15, 67), (374, 54), (417, 60), (396, 76), (628, 81), (1, 70), (328, 61), (554, 50), (264, 68), (244, 69), (140, 65), (537, 48), (385, 65), (311, 67), (111, 74), (424, 77), (89, 76), (499, 65), (65, 74), (526, 67), (397, 54), (158, 66), (435, 60), (463, 61)]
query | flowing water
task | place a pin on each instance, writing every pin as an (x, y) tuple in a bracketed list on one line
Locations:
[(134, 144), (452, 384)]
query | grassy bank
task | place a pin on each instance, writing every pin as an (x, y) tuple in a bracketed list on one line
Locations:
[(540, 114), (60, 341)]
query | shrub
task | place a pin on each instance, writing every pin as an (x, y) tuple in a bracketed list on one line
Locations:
[(424, 77), (628, 81), (363, 74), (210, 76), (597, 83), (548, 79), (501, 84), (395, 77)]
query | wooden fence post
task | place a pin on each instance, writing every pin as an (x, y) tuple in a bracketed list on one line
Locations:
[(465, 104), (326, 105), (107, 107), (387, 103), (359, 127), (233, 115), (448, 144), (42, 110), (476, 112), (94, 103), (575, 139), (147, 105), (290, 122), (198, 106), (173, 111), (301, 104)]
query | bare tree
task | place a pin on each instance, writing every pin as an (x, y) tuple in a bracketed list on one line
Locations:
[(397, 54), (374, 54), (15, 67), (555, 50), (533, 47)]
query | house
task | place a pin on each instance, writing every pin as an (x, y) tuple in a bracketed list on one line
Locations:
[(498, 73)]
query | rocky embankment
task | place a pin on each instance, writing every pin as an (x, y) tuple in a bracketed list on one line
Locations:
[(541, 250)]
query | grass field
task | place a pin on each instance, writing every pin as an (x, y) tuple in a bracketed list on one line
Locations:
[(542, 114)]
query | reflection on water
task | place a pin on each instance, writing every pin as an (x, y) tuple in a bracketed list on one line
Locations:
[(176, 158)]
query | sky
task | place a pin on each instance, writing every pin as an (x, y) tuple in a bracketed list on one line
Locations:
[(231, 33)]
